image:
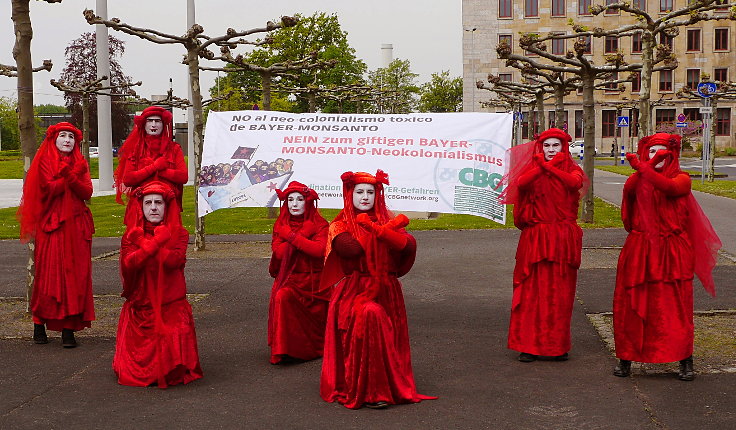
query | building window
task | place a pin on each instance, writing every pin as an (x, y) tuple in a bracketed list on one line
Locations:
[(612, 87), (636, 83), (664, 117), (584, 7), (693, 79), (666, 40), (504, 8), (720, 75), (721, 42), (640, 4), (695, 120), (722, 9), (636, 43), (505, 38), (693, 40), (504, 77), (633, 120), (588, 44), (558, 8), (665, 81), (553, 123), (665, 5), (611, 44), (723, 122), (611, 11), (578, 124), (531, 8), (608, 123), (558, 46)]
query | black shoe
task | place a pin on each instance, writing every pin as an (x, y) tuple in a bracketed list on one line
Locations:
[(67, 338), (623, 369), (39, 334), (525, 357), (377, 405), (563, 357), (686, 370)]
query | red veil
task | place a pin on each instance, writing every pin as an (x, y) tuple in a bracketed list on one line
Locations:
[(703, 237), (32, 203)]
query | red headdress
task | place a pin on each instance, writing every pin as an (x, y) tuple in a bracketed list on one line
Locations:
[(139, 145), (703, 237), (31, 205), (520, 158)]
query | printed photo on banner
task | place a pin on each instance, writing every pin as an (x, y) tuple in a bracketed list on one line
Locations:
[(437, 162)]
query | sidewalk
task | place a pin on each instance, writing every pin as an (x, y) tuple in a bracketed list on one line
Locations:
[(458, 299)]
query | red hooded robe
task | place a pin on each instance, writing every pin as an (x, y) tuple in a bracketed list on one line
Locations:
[(54, 214), (297, 311), (653, 300), (156, 342), (367, 357), (545, 195)]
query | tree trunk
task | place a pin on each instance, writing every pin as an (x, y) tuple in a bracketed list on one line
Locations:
[(645, 109), (712, 140), (559, 106), (193, 63), (312, 100), (589, 146), (84, 145), (21, 17), (540, 109), (266, 85)]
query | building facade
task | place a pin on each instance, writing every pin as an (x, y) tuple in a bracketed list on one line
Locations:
[(705, 48)]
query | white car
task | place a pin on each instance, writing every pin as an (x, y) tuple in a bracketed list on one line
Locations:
[(94, 152), (576, 148)]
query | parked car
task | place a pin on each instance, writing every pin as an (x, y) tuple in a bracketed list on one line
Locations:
[(576, 148), (94, 152)]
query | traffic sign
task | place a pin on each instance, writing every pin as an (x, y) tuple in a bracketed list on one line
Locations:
[(707, 89), (622, 121), (681, 124), (706, 109), (518, 116), (681, 118)]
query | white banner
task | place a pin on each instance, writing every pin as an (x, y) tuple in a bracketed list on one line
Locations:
[(436, 162)]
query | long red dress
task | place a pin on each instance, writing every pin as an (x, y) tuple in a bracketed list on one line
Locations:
[(653, 299), (367, 358), (156, 342), (298, 305), (548, 253), (53, 211)]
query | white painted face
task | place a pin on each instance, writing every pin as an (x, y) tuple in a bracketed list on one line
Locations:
[(296, 203), (551, 147), (65, 141), (653, 150), (154, 125), (154, 208), (364, 196)]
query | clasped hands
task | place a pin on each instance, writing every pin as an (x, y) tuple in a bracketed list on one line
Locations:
[(400, 221), (161, 235), (554, 162), (639, 165)]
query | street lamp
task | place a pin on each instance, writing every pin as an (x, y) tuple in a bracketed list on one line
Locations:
[(472, 62)]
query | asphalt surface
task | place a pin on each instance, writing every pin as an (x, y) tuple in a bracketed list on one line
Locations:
[(458, 299)]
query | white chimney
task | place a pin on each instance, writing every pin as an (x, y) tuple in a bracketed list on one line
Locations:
[(387, 54)]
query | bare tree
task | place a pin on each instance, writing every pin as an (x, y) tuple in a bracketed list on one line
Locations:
[(197, 45), (85, 90), (667, 24)]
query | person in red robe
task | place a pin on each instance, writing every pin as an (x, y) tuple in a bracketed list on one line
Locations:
[(53, 213), (156, 343), (544, 184), (297, 311), (670, 240), (367, 361), (149, 153)]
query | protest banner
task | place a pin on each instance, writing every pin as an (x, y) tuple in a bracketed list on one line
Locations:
[(448, 162)]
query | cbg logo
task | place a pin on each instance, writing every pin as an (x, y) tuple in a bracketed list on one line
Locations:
[(479, 178)]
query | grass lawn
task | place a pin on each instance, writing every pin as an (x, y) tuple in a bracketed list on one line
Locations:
[(108, 217), (718, 188)]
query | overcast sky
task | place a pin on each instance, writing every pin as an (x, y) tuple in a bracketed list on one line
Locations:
[(428, 33)]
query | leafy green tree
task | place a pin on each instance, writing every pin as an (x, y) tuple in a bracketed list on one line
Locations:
[(442, 94), (320, 36), (9, 132), (397, 87)]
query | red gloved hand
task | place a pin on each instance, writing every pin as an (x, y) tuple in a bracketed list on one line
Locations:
[(65, 167), (80, 167), (365, 221), (539, 159), (135, 235), (287, 234), (400, 221), (633, 160), (661, 155), (161, 163), (161, 234), (559, 158)]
